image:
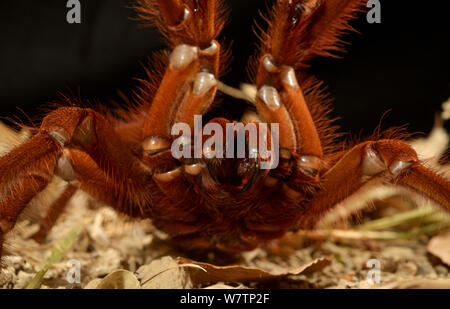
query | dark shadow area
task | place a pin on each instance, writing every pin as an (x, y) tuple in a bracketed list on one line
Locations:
[(401, 65)]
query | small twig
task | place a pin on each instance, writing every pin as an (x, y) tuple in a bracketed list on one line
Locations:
[(373, 235), (235, 93), (413, 216), (348, 234)]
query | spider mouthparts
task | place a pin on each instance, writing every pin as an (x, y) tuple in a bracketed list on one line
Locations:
[(233, 174)]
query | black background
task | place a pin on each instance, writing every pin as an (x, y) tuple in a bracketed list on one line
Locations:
[(402, 64)]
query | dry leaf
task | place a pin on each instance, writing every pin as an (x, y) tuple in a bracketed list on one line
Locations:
[(419, 284), (440, 246), (93, 284), (164, 273), (221, 286), (119, 279), (236, 273)]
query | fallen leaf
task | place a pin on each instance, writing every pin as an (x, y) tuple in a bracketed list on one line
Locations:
[(419, 284), (119, 279), (440, 246), (236, 273), (164, 273), (221, 286), (92, 285)]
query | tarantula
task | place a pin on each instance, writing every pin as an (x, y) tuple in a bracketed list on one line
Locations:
[(124, 159)]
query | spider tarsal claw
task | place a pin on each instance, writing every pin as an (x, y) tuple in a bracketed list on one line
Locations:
[(289, 78), (182, 56), (269, 95), (211, 50), (204, 83), (269, 65)]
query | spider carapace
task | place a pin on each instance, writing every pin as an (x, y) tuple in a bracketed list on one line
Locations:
[(125, 159)]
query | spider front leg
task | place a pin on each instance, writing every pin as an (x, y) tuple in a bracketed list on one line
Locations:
[(280, 99), (372, 163), (27, 170), (24, 172), (187, 89), (190, 81)]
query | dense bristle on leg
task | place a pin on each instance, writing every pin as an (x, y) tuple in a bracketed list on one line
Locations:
[(190, 22), (302, 29)]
